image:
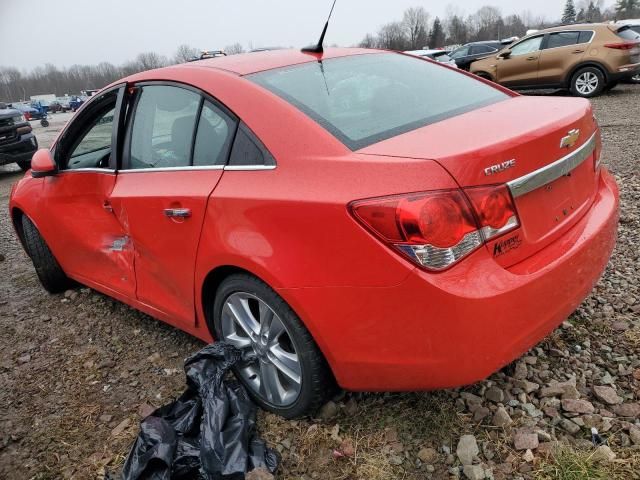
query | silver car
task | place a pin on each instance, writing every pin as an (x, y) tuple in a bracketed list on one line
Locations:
[(438, 55)]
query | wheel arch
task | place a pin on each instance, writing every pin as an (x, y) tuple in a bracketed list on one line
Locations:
[(16, 219), (588, 63), (485, 75), (214, 279)]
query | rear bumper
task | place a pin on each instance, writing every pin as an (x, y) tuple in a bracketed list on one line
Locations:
[(625, 72), (457, 327), (20, 150)]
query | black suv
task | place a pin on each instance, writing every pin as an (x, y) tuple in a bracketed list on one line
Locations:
[(471, 52), (17, 141)]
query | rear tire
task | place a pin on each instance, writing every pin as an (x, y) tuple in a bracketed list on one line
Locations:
[(611, 86), (51, 276), (587, 82), (292, 349), (24, 165)]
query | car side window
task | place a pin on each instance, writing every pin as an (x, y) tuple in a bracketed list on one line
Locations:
[(480, 49), (91, 147), (214, 136), (563, 39), (164, 123), (460, 52), (527, 46), (585, 36), (247, 150)]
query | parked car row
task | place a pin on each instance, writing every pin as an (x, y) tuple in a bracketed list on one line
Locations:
[(586, 59)]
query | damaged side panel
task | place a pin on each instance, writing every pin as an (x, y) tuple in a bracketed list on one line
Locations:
[(96, 245)]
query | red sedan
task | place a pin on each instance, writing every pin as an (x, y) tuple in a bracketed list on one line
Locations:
[(360, 216)]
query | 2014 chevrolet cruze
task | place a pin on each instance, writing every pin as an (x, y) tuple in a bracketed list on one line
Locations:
[(357, 215)]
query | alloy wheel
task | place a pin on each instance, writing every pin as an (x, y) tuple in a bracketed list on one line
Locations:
[(587, 83), (272, 370)]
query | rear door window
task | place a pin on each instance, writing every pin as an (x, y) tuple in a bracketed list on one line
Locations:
[(563, 39), (163, 127), (214, 135), (364, 99), (585, 36)]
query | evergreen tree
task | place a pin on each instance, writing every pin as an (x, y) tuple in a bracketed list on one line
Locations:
[(436, 39), (593, 15), (627, 8), (569, 15)]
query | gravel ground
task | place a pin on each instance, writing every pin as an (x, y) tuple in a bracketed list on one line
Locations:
[(79, 370)]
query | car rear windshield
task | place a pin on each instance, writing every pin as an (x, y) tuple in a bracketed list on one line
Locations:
[(364, 99), (628, 33)]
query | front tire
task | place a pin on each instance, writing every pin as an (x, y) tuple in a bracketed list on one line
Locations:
[(587, 82), (49, 272), (24, 165), (285, 372)]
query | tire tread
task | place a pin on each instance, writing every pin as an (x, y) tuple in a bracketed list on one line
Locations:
[(51, 275)]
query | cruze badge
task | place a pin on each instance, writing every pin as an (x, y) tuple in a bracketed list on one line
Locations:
[(571, 139), (501, 167)]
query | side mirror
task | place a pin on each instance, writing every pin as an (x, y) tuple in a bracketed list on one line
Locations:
[(504, 54), (42, 164)]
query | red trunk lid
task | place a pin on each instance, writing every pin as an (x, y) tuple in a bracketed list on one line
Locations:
[(517, 142)]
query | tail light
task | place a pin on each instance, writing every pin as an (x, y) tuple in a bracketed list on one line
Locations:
[(27, 115), (438, 229), (622, 45)]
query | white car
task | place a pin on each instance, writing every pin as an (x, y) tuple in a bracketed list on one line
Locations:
[(441, 56)]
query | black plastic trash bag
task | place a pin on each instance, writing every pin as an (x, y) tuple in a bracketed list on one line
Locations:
[(208, 433)]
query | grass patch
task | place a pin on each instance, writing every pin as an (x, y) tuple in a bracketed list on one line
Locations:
[(566, 463)]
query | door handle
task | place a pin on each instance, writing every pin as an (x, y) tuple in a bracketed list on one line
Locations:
[(532, 58), (578, 51), (177, 212)]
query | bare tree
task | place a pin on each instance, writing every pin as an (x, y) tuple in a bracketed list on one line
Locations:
[(393, 37), (150, 60), (184, 53), (415, 21), (369, 41), (234, 49)]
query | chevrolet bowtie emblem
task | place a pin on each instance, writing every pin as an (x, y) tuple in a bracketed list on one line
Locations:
[(571, 139)]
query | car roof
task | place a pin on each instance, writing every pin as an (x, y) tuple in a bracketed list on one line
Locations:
[(574, 26), (425, 52), (253, 62), (485, 42)]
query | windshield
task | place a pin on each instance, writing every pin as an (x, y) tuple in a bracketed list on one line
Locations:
[(364, 99)]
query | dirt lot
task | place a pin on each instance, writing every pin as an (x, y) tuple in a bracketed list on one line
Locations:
[(78, 370)]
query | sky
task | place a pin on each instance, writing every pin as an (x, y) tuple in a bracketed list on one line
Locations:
[(67, 32)]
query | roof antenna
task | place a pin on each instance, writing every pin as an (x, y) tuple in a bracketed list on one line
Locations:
[(318, 48)]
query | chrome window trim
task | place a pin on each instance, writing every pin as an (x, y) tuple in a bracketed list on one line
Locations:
[(173, 169), (88, 169), (195, 168), (549, 173), (249, 167)]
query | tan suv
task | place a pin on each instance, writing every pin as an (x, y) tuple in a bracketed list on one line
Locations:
[(586, 59)]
